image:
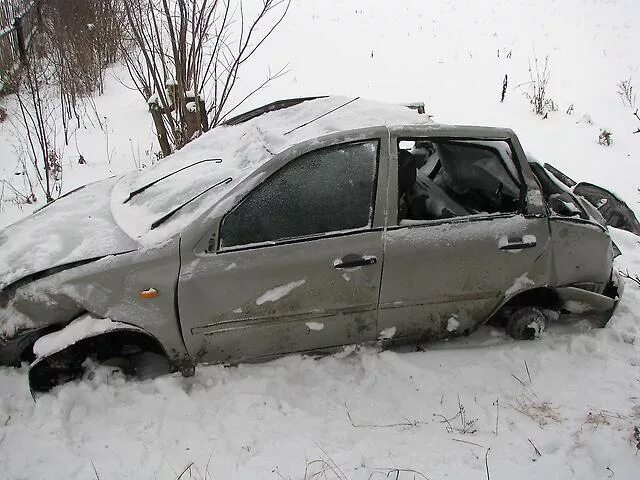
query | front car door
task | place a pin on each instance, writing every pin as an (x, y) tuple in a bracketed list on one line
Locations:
[(468, 230), (296, 264)]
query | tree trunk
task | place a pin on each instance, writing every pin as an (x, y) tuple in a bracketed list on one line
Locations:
[(161, 130)]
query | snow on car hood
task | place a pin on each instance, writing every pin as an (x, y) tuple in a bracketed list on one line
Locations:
[(75, 227), (242, 148)]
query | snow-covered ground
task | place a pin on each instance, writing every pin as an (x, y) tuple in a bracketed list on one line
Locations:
[(364, 413)]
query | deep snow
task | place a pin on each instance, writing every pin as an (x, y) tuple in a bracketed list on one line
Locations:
[(367, 412)]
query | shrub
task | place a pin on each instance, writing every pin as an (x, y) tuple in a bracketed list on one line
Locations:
[(626, 93), (605, 138), (538, 94)]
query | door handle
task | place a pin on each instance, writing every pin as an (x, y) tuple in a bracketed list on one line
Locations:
[(509, 243), (354, 261)]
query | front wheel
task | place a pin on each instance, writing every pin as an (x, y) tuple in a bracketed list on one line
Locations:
[(526, 323)]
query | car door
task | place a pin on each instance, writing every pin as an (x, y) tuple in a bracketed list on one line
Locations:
[(297, 263), (449, 268)]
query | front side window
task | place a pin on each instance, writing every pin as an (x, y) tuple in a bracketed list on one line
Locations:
[(453, 178), (327, 190)]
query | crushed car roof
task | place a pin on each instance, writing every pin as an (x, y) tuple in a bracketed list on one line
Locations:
[(251, 140)]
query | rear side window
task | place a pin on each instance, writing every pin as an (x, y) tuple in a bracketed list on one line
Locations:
[(324, 191)]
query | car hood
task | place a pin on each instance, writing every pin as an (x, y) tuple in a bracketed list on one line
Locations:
[(75, 228)]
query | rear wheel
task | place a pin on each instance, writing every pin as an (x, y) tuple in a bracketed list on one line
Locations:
[(526, 323)]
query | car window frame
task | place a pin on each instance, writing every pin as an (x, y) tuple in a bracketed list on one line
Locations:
[(296, 152), (396, 137)]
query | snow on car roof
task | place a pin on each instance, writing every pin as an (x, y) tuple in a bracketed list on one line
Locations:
[(243, 148)]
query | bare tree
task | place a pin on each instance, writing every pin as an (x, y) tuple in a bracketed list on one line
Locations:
[(36, 128), (82, 39), (188, 58), (64, 64), (10, 9)]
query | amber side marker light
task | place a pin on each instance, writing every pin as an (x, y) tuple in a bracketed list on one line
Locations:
[(150, 293)]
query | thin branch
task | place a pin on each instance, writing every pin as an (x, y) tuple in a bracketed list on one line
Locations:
[(486, 463), (521, 382), (406, 423), (534, 447), (188, 467), (633, 277), (470, 443), (270, 78), (95, 471)]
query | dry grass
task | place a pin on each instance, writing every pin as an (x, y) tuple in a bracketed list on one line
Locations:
[(538, 93), (543, 413), (466, 425), (602, 417)]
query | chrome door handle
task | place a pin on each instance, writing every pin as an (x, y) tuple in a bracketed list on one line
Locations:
[(354, 261), (519, 243)]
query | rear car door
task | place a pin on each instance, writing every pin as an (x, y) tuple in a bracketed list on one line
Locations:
[(297, 262), (469, 230)]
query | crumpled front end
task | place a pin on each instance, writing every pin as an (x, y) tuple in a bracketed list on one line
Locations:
[(25, 315), (596, 306)]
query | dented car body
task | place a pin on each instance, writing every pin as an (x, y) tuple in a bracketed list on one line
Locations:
[(303, 226)]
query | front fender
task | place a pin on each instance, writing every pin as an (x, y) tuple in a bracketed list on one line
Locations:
[(82, 328), (60, 355), (599, 306)]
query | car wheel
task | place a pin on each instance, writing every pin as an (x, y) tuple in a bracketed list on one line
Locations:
[(526, 323), (150, 365), (142, 366)]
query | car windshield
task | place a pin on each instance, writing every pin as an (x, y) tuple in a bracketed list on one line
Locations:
[(167, 199)]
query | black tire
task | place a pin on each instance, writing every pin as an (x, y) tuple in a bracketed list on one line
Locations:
[(149, 365), (526, 323)]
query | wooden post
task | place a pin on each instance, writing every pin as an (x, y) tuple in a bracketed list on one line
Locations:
[(192, 116), (22, 52), (204, 118), (161, 130)]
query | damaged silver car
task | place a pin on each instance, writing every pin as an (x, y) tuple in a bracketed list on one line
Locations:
[(302, 226)]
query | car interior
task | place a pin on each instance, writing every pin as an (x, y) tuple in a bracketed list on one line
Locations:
[(453, 178)]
